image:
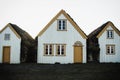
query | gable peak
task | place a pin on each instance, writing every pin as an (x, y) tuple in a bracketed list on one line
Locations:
[(62, 10), (68, 17), (105, 26), (109, 22)]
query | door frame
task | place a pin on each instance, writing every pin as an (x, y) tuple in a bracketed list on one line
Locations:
[(78, 44)]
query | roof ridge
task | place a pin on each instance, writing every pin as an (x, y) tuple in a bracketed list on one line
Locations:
[(99, 29), (20, 31)]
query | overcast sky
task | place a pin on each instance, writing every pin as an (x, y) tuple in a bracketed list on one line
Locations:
[(33, 15)]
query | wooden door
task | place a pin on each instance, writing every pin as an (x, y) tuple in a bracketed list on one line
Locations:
[(6, 54), (77, 54)]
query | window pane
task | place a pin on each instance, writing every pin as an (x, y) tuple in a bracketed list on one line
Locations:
[(107, 34), (59, 24), (46, 49), (112, 49), (62, 50), (108, 49), (59, 50), (50, 49), (63, 25), (111, 34)]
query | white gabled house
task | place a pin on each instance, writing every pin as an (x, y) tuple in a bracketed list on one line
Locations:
[(14, 44), (104, 43), (61, 41)]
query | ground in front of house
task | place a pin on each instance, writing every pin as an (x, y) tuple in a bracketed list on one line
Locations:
[(89, 71)]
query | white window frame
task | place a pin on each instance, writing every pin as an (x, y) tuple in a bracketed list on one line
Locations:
[(110, 49), (60, 48), (110, 34), (48, 49), (61, 26)]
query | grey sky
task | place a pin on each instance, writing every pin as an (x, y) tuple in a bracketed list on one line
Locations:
[(33, 15)]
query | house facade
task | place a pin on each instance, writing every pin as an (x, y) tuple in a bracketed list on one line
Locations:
[(61, 41), (12, 44), (106, 39), (9, 45)]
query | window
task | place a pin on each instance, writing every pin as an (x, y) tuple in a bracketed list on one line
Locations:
[(62, 25), (54, 49), (60, 49), (48, 49), (7, 37), (110, 34), (110, 49)]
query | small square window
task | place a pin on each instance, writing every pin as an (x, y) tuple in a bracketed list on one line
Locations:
[(60, 49), (7, 37), (62, 25), (110, 49)]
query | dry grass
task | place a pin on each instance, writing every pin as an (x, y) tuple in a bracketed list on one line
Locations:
[(89, 71)]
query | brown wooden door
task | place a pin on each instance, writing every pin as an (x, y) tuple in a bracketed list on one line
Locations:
[(6, 54), (77, 54)]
